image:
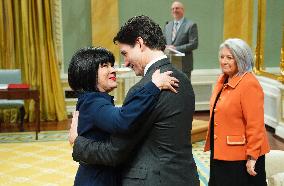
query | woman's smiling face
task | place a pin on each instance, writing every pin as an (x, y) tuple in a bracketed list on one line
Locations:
[(228, 63), (106, 78)]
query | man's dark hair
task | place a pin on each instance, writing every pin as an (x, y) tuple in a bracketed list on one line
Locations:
[(84, 65), (144, 27)]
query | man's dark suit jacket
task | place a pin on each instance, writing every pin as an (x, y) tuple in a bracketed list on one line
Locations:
[(186, 41), (158, 151)]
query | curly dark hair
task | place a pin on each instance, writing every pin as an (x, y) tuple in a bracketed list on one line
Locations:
[(84, 65), (144, 27)]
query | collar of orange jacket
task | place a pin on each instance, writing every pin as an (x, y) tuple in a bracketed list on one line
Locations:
[(234, 81)]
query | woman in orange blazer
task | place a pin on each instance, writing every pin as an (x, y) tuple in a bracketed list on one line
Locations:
[(236, 134)]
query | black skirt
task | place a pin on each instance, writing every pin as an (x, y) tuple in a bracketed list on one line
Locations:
[(234, 173)]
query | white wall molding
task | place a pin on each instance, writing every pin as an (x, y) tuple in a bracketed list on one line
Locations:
[(273, 70), (273, 104), (203, 81)]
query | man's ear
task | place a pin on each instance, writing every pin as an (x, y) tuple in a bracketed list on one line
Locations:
[(141, 43)]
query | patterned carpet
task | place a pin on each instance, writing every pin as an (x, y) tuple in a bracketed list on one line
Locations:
[(19, 137), (202, 161), (36, 163), (48, 162)]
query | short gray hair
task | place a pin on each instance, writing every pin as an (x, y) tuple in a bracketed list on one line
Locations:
[(241, 52)]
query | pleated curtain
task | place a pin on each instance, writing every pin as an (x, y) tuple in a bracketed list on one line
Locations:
[(27, 42)]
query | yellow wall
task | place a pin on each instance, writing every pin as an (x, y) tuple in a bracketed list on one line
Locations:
[(238, 19), (105, 23)]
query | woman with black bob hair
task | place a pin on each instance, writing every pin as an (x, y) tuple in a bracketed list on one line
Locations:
[(92, 75), (83, 68)]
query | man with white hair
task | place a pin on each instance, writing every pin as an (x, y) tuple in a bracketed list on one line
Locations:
[(181, 34)]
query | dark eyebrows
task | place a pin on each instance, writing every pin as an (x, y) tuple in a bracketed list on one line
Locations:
[(123, 52)]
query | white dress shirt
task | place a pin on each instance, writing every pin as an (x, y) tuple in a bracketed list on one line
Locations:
[(152, 62)]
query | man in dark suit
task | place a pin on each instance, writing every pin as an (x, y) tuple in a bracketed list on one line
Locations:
[(181, 34), (158, 150)]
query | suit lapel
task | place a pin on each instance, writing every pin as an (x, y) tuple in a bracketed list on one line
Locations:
[(179, 30)]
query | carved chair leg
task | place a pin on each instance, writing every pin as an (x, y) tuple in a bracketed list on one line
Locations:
[(22, 116)]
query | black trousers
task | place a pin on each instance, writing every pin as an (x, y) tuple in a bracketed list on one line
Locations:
[(234, 173)]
